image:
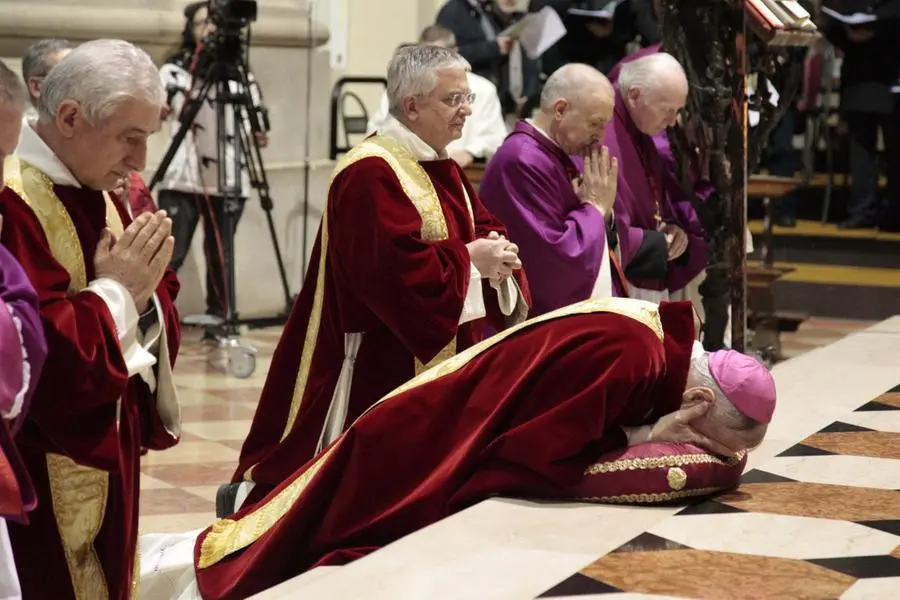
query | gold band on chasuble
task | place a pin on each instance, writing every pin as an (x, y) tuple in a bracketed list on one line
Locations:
[(420, 190), (78, 493), (228, 536)]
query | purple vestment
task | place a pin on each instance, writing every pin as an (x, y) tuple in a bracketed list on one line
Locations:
[(645, 179), (22, 354), (528, 185)]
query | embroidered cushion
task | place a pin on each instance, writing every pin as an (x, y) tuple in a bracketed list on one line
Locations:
[(655, 473)]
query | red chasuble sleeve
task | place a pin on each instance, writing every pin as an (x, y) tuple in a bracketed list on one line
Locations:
[(415, 287), (85, 372)]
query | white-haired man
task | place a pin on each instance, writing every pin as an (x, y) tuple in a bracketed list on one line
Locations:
[(395, 283), (109, 318), (564, 231), (37, 61), (661, 241), (484, 130), (524, 413)]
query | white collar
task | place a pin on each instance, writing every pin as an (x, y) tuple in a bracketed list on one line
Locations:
[(35, 151), (396, 130), (541, 131)]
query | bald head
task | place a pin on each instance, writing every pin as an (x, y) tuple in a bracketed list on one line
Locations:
[(572, 82), (576, 104), (654, 88)]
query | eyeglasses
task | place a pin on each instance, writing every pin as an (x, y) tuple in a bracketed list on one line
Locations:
[(455, 100)]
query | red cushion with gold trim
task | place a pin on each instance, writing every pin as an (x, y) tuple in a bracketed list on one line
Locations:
[(656, 473)]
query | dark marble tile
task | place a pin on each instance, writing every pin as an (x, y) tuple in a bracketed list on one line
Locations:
[(579, 585), (758, 476), (210, 473), (874, 406), (710, 507), (891, 526), (841, 427), (648, 542), (803, 450), (862, 567), (894, 390)]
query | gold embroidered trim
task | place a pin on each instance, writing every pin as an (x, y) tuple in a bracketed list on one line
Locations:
[(420, 190), (651, 498), (79, 504), (676, 478), (659, 462), (227, 536), (79, 494)]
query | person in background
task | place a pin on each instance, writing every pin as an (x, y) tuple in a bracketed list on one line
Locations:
[(23, 350), (37, 60), (868, 72), (478, 25), (484, 130), (189, 190), (596, 35)]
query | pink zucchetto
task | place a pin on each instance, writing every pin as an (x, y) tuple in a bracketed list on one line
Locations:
[(745, 382)]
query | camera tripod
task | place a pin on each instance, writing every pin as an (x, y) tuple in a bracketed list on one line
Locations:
[(225, 84)]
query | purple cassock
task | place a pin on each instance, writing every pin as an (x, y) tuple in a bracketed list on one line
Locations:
[(649, 194), (22, 354), (562, 242)]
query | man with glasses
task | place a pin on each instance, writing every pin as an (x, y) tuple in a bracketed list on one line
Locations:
[(407, 266), (484, 130)]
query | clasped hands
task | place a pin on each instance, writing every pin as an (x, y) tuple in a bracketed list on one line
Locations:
[(139, 258), (494, 256), (677, 428), (597, 184)]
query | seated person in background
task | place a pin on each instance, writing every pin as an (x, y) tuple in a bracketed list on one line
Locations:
[(524, 413), (661, 241), (554, 190), (484, 130)]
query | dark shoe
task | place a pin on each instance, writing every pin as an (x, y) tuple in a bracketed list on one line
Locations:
[(225, 499), (786, 221), (857, 223)]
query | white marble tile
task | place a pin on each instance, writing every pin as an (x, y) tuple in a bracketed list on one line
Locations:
[(776, 535), (879, 473), (498, 549), (192, 453), (619, 596), (288, 589), (879, 420), (891, 325), (219, 430), (880, 588)]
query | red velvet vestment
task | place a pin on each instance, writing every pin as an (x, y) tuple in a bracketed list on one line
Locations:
[(82, 438), (521, 414), (383, 276)]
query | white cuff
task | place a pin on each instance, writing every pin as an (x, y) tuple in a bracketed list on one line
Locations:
[(19, 400), (473, 306), (507, 295), (124, 313), (149, 342)]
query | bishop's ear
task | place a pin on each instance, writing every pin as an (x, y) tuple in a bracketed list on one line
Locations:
[(697, 395), (560, 108), (67, 116), (411, 108)]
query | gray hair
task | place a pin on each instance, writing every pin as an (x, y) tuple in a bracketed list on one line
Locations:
[(100, 75), (413, 72), (36, 58), (648, 72), (12, 90)]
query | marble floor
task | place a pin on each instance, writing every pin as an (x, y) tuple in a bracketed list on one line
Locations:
[(817, 514)]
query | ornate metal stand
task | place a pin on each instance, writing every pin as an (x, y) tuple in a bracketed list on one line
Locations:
[(712, 40)]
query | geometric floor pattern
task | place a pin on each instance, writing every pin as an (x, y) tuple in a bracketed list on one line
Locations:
[(819, 521)]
